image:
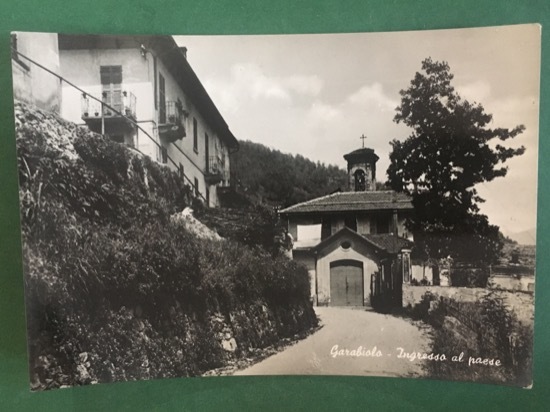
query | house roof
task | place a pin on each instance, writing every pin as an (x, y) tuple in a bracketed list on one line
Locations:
[(175, 60), (387, 243), (352, 202), (390, 243)]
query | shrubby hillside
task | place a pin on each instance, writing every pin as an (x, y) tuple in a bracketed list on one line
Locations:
[(116, 287), (282, 179)]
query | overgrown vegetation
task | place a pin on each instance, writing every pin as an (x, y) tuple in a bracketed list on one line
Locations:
[(115, 288), (254, 226), (487, 329)]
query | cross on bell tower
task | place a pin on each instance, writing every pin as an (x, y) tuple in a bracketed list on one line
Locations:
[(363, 137)]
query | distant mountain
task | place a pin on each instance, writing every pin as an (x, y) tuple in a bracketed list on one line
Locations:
[(282, 179), (525, 237)]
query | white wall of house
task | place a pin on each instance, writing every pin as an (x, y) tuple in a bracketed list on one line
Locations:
[(32, 84), (194, 159), (82, 67)]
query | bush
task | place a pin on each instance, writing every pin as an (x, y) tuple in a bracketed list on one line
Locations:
[(421, 310), (469, 277), (513, 341), (254, 226), (495, 333), (421, 282)]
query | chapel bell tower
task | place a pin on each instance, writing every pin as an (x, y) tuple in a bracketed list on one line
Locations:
[(361, 170)]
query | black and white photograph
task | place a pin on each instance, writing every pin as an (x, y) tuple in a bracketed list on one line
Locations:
[(315, 204)]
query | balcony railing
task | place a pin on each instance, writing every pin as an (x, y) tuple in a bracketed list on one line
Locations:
[(121, 100), (171, 113), (171, 122), (215, 170)]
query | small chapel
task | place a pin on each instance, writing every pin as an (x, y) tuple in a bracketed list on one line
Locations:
[(354, 243)]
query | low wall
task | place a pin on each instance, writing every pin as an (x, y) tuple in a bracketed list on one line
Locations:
[(522, 303), (523, 283), (413, 294), (422, 272)]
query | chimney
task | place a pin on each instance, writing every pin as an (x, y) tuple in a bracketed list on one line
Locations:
[(184, 51)]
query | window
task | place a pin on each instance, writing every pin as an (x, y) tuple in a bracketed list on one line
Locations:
[(181, 171), (351, 222), (197, 193), (111, 82), (382, 223), (207, 196), (110, 75), (346, 244), (162, 99), (206, 153), (195, 136)]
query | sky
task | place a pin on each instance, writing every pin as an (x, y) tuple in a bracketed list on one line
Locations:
[(316, 94)]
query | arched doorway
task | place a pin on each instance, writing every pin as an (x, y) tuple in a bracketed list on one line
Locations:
[(346, 283)]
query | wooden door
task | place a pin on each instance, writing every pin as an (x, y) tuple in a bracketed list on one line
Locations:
[(346, 283)]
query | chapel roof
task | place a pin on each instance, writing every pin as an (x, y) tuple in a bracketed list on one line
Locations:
[(353, 202), (389, 242)]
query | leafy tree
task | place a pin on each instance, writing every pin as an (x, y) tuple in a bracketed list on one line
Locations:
[(451, 149)]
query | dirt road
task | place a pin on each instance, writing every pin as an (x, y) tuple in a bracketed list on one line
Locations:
[(352, 342)]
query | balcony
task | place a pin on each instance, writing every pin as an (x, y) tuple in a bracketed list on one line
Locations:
[(102, 119), (171, 121), (215, 170)]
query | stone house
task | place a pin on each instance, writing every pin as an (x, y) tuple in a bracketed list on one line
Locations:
[(148, 79), (354, 244)]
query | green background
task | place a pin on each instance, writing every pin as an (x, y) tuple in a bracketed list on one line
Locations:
[(249, 393)]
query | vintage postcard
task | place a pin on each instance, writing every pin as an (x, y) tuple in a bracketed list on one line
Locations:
[(332, 204)]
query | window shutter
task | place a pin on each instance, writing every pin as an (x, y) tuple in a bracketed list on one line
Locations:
[(111, 74)]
